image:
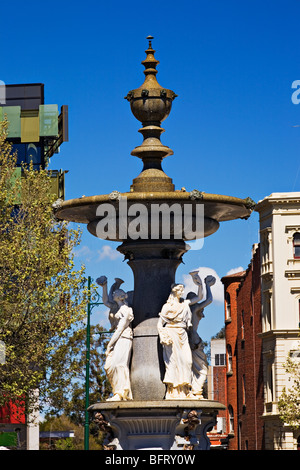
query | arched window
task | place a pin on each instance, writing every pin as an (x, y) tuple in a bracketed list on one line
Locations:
[(227, 305), (296, 244), (243, 325), (231, 419), (229, 358)]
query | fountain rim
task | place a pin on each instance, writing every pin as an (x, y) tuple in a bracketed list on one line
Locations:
[(152, 196), (142, 405)]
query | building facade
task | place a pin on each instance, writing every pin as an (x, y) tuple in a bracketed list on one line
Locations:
[(279, 221), (231, 284), (244, 357), (216, 390), (262, 320)]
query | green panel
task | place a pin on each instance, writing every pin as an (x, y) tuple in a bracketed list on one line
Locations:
[(48, 114), (58, 183), (8, 439), (13, 115), (1, 114)]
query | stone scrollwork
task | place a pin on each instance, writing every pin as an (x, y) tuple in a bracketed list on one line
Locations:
[(195, 194), (114, 195), (57, 204), (110, 442), (250, 204), (186, 438)]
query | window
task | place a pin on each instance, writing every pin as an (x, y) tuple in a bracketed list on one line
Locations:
[(231, 419), (228, 306), (244, 389), (243, 325), (269, 382), (27, 153), (219, 359), (267, 317), (229, 358), (296, 245)]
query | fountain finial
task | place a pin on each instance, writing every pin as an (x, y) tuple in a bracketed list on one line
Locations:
[(151, 104), (150, 63), (150, 39)]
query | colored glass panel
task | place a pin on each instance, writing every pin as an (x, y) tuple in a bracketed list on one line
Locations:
[(30, 129), (48, 114), (13, 115)]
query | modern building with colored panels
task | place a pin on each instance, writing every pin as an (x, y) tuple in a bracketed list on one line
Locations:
[(36, 130)]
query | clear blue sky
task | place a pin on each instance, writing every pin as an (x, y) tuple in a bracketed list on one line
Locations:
[(232, 65)]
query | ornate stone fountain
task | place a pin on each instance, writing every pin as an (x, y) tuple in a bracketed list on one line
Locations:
[(148, 419)]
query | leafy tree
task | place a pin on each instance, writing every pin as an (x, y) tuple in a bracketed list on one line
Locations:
[(66, 382), (63, 423), (42, 294), (289, 402)]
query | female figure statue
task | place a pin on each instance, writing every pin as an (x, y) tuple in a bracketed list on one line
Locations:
[(199, 360), (119, 348), (175, 319)]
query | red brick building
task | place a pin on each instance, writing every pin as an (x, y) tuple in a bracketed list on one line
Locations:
[(231, 285), (244, 357), (216, 387)]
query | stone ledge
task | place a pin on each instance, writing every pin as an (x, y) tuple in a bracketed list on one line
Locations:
[(157, 404)]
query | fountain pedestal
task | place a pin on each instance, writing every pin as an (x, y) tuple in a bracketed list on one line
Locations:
[(157, 425)]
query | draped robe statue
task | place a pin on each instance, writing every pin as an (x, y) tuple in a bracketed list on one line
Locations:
[(175, 321), (119, 348)]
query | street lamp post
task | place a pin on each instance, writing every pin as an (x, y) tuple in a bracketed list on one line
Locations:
[(92, 302)]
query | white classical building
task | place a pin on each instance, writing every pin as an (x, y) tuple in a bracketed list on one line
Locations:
[(279, 220)]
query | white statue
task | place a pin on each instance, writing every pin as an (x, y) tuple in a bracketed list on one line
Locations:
[(199, 360), (119, 348), (175, 320)]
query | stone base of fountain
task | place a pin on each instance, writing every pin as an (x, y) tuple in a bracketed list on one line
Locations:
[(156, 425)]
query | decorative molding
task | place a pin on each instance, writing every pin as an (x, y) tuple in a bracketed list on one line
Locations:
[(295, 290), (293, 262), (292, 274), (292, 228)]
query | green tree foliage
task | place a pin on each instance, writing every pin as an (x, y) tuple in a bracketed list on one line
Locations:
[(66, 381), (63, 423), (42, 295), (289, 402)]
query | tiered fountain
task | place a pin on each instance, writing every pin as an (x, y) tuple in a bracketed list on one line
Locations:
[(149, 420)]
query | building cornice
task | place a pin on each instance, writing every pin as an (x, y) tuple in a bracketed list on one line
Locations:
[(279, 333), (278, 199)]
